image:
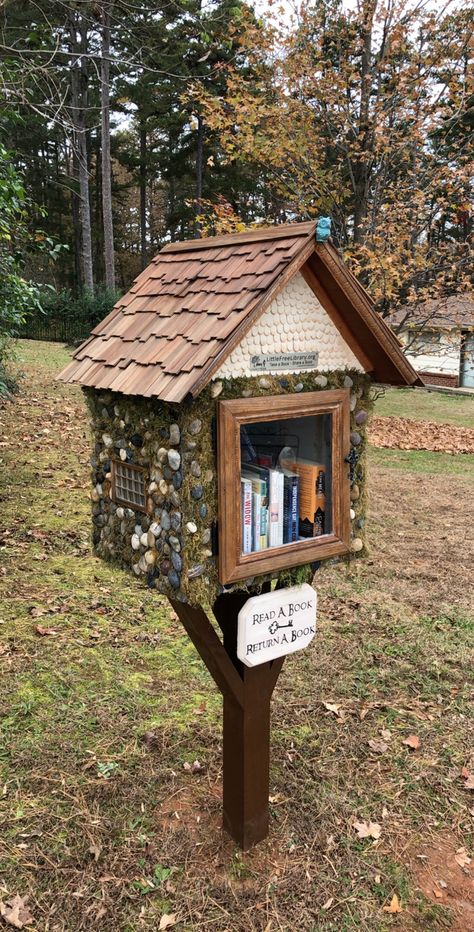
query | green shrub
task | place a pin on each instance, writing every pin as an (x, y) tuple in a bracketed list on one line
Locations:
[(67, 318)]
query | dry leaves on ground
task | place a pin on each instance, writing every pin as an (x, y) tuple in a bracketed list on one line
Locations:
[(368, 829), (167, 920), (393, 906), (412, 742), (15, 912), (403, 433)]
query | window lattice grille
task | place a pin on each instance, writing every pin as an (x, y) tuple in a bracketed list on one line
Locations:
[(129, 485)]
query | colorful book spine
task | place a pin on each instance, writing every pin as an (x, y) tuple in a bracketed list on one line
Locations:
[(312, 504), (275, 508), (246, 504), (291, 508), (256, 517), (259, 480)]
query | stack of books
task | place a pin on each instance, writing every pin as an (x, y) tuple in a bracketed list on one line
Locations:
[(281, 506)]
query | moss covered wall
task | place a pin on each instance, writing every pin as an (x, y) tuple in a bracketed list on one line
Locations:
[(172, 547)]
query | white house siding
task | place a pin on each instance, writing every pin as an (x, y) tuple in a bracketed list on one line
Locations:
[(443, 358), (295, 322)]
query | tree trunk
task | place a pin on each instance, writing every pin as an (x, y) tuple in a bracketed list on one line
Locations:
[(142, 184), (199, 171), (107, 219), (79, 79)]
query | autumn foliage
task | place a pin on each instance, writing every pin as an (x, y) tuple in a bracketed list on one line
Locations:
[(364, 115)]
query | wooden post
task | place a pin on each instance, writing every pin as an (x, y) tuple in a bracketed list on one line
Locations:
[(247, 695)]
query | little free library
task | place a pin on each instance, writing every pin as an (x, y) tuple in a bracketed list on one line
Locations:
[(229, 393)]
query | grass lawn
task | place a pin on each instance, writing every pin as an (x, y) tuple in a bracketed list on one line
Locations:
[(423, 405), (103, 700)]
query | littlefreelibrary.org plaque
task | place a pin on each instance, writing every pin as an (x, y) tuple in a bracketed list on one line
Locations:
[(287, 361)]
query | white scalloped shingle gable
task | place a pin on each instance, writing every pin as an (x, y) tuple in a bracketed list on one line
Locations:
[(295, 322)]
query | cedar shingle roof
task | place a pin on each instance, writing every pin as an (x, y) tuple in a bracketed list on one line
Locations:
[(170, 328), (196, 300)]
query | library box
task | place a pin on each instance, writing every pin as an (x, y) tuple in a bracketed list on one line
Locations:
[(230, 391)]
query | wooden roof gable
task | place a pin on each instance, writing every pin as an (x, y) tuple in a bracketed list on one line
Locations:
[(196, 300)]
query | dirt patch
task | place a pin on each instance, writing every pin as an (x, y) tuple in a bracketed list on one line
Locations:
[(402, 433), (446, 876)]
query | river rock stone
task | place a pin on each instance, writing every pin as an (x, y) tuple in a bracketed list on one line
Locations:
[(352, 514), (196, 492), (137, 440), (357, 545), (107, 440), (175, 435), (191, 527), (347, 383), (299, 387), (174, 459), (177, 561), (150, 557), (216, 389), (202, 510), (144, 540), (155, 529), (321, 380), (247, 393), (120, 513), (163, 486), (190, 446), (165, 567), (264, 383), (176, 520), (353, 402), (355, 438), (195, 427), (123, 455), (206, 536), (173, 579), (195, 571), (361, 418), (355, 492), (165, 520), (195, 469), (174, 543), (177, 479), (135, 542)]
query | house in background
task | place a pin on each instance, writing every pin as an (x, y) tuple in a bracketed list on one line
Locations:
[(438, 339)]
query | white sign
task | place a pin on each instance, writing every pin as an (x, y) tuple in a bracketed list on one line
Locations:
[(275, 624), (288, 361)]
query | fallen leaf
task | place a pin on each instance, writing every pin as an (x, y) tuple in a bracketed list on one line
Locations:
[(15, 912), (368, 829), (332, 707), (167, 920), (375, 744), (95, 851), (468, 779), (437, 893), (462, 858), (328, 903), (393, 906), (386, 734), (413, 742), (44, 632), (201, 708)]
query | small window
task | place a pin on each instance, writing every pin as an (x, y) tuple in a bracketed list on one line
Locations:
[(283, 483), (128, 485)]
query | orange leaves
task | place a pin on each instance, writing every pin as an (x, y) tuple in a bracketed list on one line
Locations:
[(393, 906), (412, 742)]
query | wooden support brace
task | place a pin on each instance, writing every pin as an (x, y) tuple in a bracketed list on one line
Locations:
[(247, 693)]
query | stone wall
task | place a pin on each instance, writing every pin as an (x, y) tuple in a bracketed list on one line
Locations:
[(172, 547)]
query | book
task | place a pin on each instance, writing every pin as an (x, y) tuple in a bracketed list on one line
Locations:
[(290, 507), (246, 510), (259, 479), (275, 507), (256, 517), (312, 497)]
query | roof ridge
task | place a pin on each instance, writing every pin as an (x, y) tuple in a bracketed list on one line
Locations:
[(253, 235)]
